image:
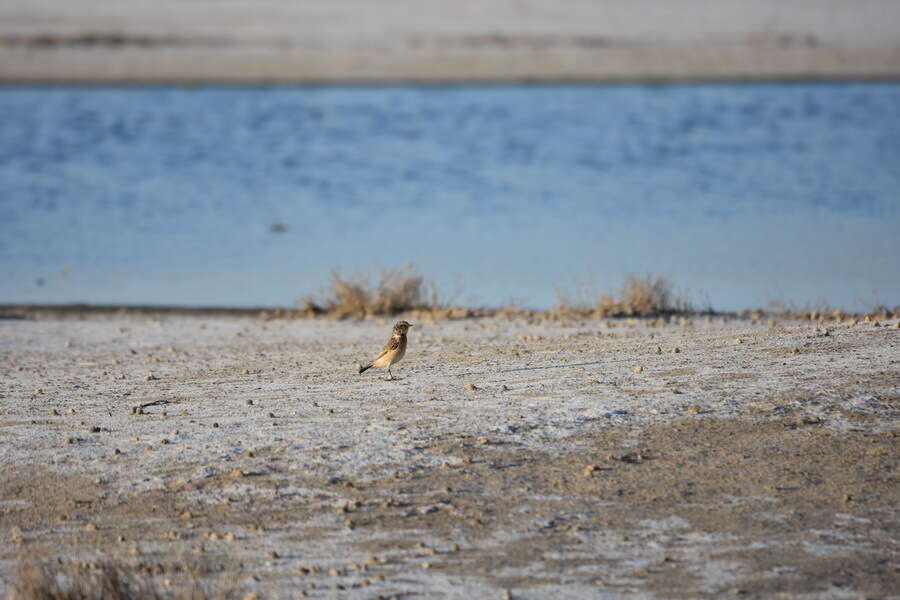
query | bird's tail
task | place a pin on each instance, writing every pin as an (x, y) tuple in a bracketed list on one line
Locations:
[(363, 369)]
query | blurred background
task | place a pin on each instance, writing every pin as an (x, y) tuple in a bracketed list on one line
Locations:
[(232, 153)]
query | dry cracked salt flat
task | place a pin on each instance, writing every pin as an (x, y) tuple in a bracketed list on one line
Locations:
[(510, 459)]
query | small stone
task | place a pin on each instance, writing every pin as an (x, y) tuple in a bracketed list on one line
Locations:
[(657, 350), (90, 527), (694, 410), (249, 403), (54, 413), (503, 388), (271, 415), (244, 371), (738, 341), (471, 387), (70, 411), (589, 470), (675, 350), (637, 368), (482, 441), (272, 555), (426, 565), (215, 425), (150, 377)]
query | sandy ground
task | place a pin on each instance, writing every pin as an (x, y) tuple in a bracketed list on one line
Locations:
[(435, 40), (268, 465)]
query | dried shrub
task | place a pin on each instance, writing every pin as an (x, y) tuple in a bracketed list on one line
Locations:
[(109, 581), (640, 297), (43, 581), (395, 291)]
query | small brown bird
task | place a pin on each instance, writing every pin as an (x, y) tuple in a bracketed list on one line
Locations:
[(393, 350)]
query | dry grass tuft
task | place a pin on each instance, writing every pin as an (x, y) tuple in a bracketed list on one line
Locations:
[(42, 581), (640, 297), (104, 581), (395, 291)]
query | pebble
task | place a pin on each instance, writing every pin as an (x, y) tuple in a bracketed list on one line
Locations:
[(503, 388), (675, 350), (738, 341), (657, 350), (471, 387), (248, 403), (694, 410), (150, 377), (637, 368)]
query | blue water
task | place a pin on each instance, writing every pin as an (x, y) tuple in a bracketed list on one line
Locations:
[(740, 194)]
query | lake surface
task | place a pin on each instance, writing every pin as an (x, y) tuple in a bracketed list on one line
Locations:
[(740, 194)]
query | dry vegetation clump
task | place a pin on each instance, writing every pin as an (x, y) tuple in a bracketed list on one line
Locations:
[(645, 296), (399, 290), (43, 581), (103, 581)]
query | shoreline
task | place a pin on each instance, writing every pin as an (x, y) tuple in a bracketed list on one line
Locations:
[(14, 311), (407, 41)]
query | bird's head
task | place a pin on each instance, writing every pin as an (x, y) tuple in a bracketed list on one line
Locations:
[(401, 327)]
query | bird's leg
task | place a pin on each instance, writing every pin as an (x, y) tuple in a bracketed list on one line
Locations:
[(390, 375)]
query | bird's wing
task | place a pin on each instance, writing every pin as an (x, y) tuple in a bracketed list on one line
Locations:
[(391, 345)]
